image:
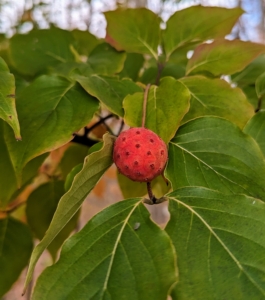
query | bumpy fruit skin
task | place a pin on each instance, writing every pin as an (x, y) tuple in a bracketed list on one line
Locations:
[(140, 154)]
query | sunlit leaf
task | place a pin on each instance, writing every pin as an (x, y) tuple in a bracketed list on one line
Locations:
[(166, 106), (119, 254), (184, 26), (223, 57), (133, 30), (220, 241)]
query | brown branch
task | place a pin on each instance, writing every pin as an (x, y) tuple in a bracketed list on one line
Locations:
[(145, 103)]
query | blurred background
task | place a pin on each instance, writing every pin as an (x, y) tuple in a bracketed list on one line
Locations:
[(21, 16)]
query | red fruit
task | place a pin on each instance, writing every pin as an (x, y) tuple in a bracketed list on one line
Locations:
[(140, 154)]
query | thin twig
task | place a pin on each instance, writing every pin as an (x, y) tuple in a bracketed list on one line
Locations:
[(102, 120), (121, 127), (150, 193), (145, 103), (160, 67)]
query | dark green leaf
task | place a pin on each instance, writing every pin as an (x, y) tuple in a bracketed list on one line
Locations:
[(256, 128), (51, 109), (15, 248), (260, 85), (109, 90), (132, 66), (94, 167), (7, 98), (85, 42), (71, 175), (216, 97), (8, 181), (249, 75), (105, 60), (38, 50), (214, 153), (250, 92), (133, 30), (220, 242), (184, 26), (166, 106), (223, 57), (119, 254), (41, 206), (73, 156)]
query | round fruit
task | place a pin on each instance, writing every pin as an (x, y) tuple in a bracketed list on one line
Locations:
[(140, 154)]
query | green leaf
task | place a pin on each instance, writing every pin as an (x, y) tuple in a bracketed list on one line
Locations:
[(109, 90), (51, 109), (105, 60), (223, 57), (41, 206), (249, 75), (260, 85), (166, 106), (217, 98), (220, 241), (132, 66), (15, 248), (214, 153), (74, 155), (250, 92), (131, 188), (133, 30), (85, 42), (256, 128), (7, 99), (38, 50), (71, 175), (119, 254), (184, 26), (95, 166), (8, 181)]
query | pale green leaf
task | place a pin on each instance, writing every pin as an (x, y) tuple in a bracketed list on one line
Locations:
[(7, 99), (15, 248), (119, 254), (71, 175), (166, 106), (223, 57), (51, 110), (256, 128), (85, 42), (41, 206), (260, 85), (197, 24), (94, 167), (38, 50), (214, 153), (217, 98), (109, 90), (220, 242), (133, 30)]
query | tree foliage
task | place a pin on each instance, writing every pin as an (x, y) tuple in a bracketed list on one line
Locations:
[(55, 83)]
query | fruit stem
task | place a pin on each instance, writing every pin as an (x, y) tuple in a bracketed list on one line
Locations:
[(145, 103), (150, 193)]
